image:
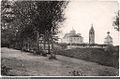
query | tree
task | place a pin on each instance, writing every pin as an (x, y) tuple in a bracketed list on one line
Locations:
[(32, 18), (116, 22), (7, 16), (49, 14)]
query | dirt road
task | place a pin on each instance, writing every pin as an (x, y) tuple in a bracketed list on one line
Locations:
[(27, 64)]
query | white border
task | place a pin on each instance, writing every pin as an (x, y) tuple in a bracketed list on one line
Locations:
[(60, 76)]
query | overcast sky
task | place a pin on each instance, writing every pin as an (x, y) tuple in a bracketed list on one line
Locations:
[(80, 14)]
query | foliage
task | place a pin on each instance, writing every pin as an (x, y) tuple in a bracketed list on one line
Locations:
[(7, 16), (52, 56), (76, 73), (63, 45), (38, 16), (26, 20), (5, 70), (116, 22)]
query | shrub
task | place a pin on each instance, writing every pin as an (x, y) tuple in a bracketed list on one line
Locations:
[(76, 73), (5, 70), (52, 56), (63, 45), (43, 53)]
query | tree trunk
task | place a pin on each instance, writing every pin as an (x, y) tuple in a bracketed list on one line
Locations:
[(37, 41), (49, 44), (52, 54), (44, 42)]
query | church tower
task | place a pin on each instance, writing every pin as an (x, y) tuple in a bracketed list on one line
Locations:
[(91, 35)]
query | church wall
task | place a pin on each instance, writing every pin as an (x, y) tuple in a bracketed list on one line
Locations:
[(76, 40)]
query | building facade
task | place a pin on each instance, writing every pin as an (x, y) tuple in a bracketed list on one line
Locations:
[(72, 38), (92, 35), (77, 40)]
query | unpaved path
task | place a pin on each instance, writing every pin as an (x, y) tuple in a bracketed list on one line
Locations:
[(24, 63)]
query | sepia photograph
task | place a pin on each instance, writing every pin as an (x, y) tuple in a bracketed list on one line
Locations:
[(60, 38)]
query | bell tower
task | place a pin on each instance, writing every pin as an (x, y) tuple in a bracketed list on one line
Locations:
[(92, 35)]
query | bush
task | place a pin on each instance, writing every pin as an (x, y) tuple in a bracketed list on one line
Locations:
[(63, 45), (5, 70), (52, 56), (76, 73), (40, 52), (43, 53)]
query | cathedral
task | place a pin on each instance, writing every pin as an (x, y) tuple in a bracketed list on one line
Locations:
[(72, 38)]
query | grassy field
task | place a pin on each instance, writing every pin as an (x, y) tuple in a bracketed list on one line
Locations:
[(27, 64), (97, 55)]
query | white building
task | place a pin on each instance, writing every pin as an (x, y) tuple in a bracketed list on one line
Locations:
[(108, 40), (72, 38)]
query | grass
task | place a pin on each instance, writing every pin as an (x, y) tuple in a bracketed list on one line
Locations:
[(97, 55), (27, 64)]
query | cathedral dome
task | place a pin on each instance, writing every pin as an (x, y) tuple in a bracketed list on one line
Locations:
[(73, 31)]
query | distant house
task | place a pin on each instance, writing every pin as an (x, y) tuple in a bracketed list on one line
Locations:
[(72, 38)]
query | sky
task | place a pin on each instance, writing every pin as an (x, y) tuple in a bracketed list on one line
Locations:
[(80, 14)]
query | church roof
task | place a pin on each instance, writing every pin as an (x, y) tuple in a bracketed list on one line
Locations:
[(92, 29), (75, 35), (66, 35), (72, 34), (108, 36)]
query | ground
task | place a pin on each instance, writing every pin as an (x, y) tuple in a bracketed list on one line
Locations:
[(27, 64)]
